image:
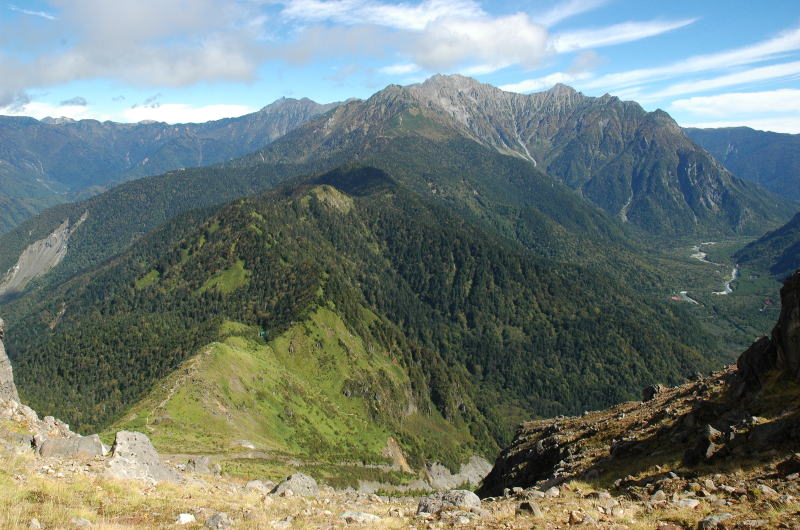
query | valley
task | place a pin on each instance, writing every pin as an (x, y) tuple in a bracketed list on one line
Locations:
[(380, 294)]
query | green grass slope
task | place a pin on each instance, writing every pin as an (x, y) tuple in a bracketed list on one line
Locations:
[(317, 393)]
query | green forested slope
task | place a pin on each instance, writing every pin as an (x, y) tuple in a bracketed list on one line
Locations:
[(777, 252), (481, 326)]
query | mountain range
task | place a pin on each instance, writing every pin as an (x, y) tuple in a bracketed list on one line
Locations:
[(440, 261), (52, 161), (768, 158)]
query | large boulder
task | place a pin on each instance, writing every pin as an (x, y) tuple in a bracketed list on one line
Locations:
[(298, 484), (444, 500), (7, 388), (134, 457), (75, 447)]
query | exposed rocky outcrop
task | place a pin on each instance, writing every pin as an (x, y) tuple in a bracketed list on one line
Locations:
[(741, 412), (471, 472), (7, 388), (134, 457), (40, 257), (780, 352)]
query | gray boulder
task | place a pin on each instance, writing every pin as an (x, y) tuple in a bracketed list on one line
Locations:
[(299, 484), (7, 388), (353, 517), (200, 465), (441, 500), (219, 521), (134, 457), (76, 447)]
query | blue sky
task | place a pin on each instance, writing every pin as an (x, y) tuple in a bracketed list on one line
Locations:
[(708, 63)]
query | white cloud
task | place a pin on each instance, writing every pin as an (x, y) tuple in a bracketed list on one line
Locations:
[(147, 42), (41, 110), (763, 73), (398, 16), (789, 124), (616, 34), (183, 113), (488, 44), (567, 9), (40, 14), (723, 105), (769, 49), (543, 83), (400, 69)]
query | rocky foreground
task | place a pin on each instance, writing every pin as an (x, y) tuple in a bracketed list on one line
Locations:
[(715, 453)]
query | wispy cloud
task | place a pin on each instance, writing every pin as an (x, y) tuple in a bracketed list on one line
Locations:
[(399, 16), (77, 101), (723, 105), (616, 34), (40, 14), (788, 41), (567, 9), (763, 73)]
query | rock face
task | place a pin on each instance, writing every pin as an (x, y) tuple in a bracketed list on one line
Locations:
[(135, 457), (781, 351), (7, 388), (472, 472)]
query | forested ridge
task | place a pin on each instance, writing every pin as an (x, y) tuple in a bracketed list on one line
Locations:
[(482, 325)]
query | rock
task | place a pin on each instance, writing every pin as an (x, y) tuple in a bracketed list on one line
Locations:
[(659, 496), (687, 503), (185, 518), (436, 502), (298, 484), (617, 511), (766, 490), (76, 447), (80, 522), (652, 391), (219, 521), (668, 526), (353, 517), (789, 466), (712, 522), (575, 517), (200, 465), (34, 524), (134, 457), (258, 485), (553, 492), (753, 523), (529, 507)]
